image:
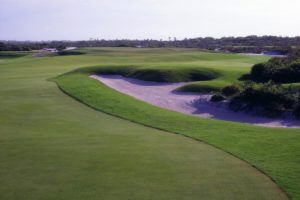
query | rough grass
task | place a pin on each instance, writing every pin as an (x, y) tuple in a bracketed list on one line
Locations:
[(53, 147)]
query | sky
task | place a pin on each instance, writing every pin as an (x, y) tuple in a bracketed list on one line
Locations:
[(146, 19)]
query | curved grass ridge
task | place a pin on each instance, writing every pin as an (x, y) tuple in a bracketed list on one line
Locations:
[(70, 53), (161, 74), (272, 151), (203, 86)]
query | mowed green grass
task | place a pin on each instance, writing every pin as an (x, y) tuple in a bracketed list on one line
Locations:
[(274, 151), (53, 147)]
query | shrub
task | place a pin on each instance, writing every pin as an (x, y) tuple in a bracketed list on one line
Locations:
[(231, 90), (217, 97), (266, 99), (280, 70), (258, 71), (295, 66), (296, 111)]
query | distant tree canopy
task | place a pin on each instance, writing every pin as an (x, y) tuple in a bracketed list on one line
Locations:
[(252, 44)]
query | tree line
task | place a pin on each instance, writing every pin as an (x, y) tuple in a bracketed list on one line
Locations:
[(253, 44)]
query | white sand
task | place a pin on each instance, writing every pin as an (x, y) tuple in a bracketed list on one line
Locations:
[(162, 95)]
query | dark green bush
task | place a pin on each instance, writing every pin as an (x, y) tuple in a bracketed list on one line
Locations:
[(231, 90), (280, 70), (296, 111), (217, 97), (266, 99), (258, 71)]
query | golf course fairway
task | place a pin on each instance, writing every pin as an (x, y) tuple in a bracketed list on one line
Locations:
[(54, 147)]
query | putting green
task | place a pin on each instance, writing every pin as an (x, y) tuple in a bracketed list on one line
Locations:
[(53, 147)]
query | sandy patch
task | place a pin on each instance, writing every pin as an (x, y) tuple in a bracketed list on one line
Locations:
[(163, 95)]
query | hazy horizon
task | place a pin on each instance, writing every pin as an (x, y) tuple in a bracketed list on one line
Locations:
[(38, 20)]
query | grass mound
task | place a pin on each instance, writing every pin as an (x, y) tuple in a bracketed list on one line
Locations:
[(170, 75), (203, 86), (69, 53), (195, 87), (173, 75)]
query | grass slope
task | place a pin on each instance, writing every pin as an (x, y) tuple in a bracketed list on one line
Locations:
[(53, 147), (274, 151)]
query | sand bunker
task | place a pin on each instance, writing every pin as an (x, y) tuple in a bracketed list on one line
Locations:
[(163, 95)]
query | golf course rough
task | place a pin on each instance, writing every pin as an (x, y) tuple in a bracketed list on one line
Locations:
[(53, 147)]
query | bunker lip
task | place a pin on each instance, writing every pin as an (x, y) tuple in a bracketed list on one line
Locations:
[(196, 104)]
